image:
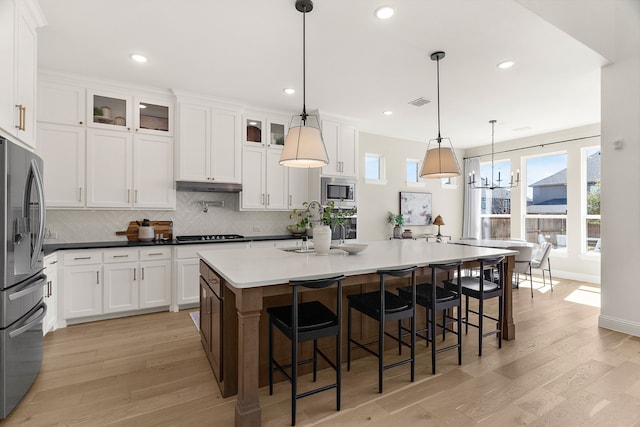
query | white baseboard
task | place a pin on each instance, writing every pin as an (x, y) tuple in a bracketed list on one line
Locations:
[(620, 325), (590, 278)]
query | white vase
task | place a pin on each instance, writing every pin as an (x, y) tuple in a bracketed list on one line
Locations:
[(322, 239)]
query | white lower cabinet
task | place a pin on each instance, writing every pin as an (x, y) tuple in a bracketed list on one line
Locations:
[(51, 293), (120, 289), (116, 280), (82, 290)]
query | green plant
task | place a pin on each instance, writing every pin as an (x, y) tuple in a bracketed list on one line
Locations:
[(302, 217), (97, 111), (395, 219), (315, 213)]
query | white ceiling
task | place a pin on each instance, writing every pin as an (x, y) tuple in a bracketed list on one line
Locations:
[(357, 65)]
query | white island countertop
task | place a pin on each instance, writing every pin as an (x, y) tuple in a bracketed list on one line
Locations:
[(255, 267)]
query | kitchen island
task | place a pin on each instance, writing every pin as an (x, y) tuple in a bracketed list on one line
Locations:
[(249, 277)]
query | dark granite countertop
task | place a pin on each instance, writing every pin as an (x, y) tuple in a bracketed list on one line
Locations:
[(53, 247)]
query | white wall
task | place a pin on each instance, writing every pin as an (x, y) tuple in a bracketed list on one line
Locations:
[(621, 175), (374, 201), (188, 218), (571, 262)]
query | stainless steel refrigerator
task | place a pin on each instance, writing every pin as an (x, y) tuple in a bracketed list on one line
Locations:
[(22, 307)]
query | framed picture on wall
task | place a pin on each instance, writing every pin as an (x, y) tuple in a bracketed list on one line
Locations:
[(415, 208)]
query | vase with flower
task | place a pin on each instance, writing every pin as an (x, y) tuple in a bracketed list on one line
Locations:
[(397, 220)]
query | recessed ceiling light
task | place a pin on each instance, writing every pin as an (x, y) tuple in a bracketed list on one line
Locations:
[(387, 112), (138, 58), (252, 123), (384, 12), (506, 64), (142, 105), (289, 91)]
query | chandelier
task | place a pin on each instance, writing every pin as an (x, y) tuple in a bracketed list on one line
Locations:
[(489, 183)]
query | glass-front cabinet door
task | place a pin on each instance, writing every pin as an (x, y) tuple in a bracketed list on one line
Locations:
[(109, 110), (153, 116), (253, 131), (277, 134)]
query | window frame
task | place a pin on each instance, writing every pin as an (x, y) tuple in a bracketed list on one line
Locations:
[(584, 216), (419, 182)]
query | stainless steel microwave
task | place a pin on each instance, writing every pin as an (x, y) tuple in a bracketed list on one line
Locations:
[(341, 191)]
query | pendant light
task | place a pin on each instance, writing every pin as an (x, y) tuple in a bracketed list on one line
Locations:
[(489, 183), (304, 147), (440, 160)]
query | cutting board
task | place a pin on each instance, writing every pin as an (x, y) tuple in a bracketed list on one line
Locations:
[(163, 227)]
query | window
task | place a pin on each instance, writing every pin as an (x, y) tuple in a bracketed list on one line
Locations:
[(495, 204), (451, 182), (412, 171), (374, 169), (546, 213), (591, 199)]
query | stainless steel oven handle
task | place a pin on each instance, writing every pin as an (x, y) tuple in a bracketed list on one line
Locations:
[(27, 288), (30, 320)]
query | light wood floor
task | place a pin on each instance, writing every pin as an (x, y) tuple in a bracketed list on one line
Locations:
[(562, 370)]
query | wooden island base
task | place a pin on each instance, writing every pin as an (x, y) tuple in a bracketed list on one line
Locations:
[(243, 329)]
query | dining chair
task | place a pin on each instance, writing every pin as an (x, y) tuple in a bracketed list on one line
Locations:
[(541, 262), (383, 306), (522, 264), (307, 321)]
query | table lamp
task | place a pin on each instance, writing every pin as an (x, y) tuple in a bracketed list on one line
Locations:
[(438, 221)]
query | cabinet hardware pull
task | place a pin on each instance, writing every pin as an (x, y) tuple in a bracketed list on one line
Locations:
[(121, 256), (81, 257), (134, 274), (79, 194), (21, 116), (268, 199), (142, 278), (135, 196), (128, 196), (81, 122), (156, 253), (290, 203), (53, 262), (97, 277)]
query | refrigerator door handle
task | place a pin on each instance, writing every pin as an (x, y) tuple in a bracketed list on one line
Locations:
[(27, 288), (29, 321), (37, 178)]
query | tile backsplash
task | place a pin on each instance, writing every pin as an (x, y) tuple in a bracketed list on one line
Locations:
[(69, 226)]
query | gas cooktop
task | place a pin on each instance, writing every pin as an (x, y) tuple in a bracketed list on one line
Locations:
[(208, 237)]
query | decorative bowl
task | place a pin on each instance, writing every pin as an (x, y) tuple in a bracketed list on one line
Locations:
[(352, 248), (295, 231)]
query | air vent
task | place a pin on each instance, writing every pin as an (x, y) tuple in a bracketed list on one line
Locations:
[(419, 102)]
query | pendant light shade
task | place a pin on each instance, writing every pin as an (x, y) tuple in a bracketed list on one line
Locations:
[(304, 146), (440, 160)]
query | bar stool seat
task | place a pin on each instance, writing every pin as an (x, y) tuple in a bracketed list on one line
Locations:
[(307, 321)]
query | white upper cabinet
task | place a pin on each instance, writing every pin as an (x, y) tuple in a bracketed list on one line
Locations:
[(63, 150), (208, 143), (61, 104), (19, 20), (109, 110), (153, 116), (109, 169), (299, 182), (341, 141), (153, 183)]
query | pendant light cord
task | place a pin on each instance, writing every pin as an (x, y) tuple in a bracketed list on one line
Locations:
[(438, 79), (493, 124), (304, 67)]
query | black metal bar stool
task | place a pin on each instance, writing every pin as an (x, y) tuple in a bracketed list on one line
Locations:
[(304, 322), (435, 298), (489, 284), (382, 306)]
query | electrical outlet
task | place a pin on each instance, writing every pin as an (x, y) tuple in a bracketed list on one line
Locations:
[(257, 229)]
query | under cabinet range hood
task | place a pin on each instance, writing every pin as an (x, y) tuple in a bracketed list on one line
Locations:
[(217, 187)]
